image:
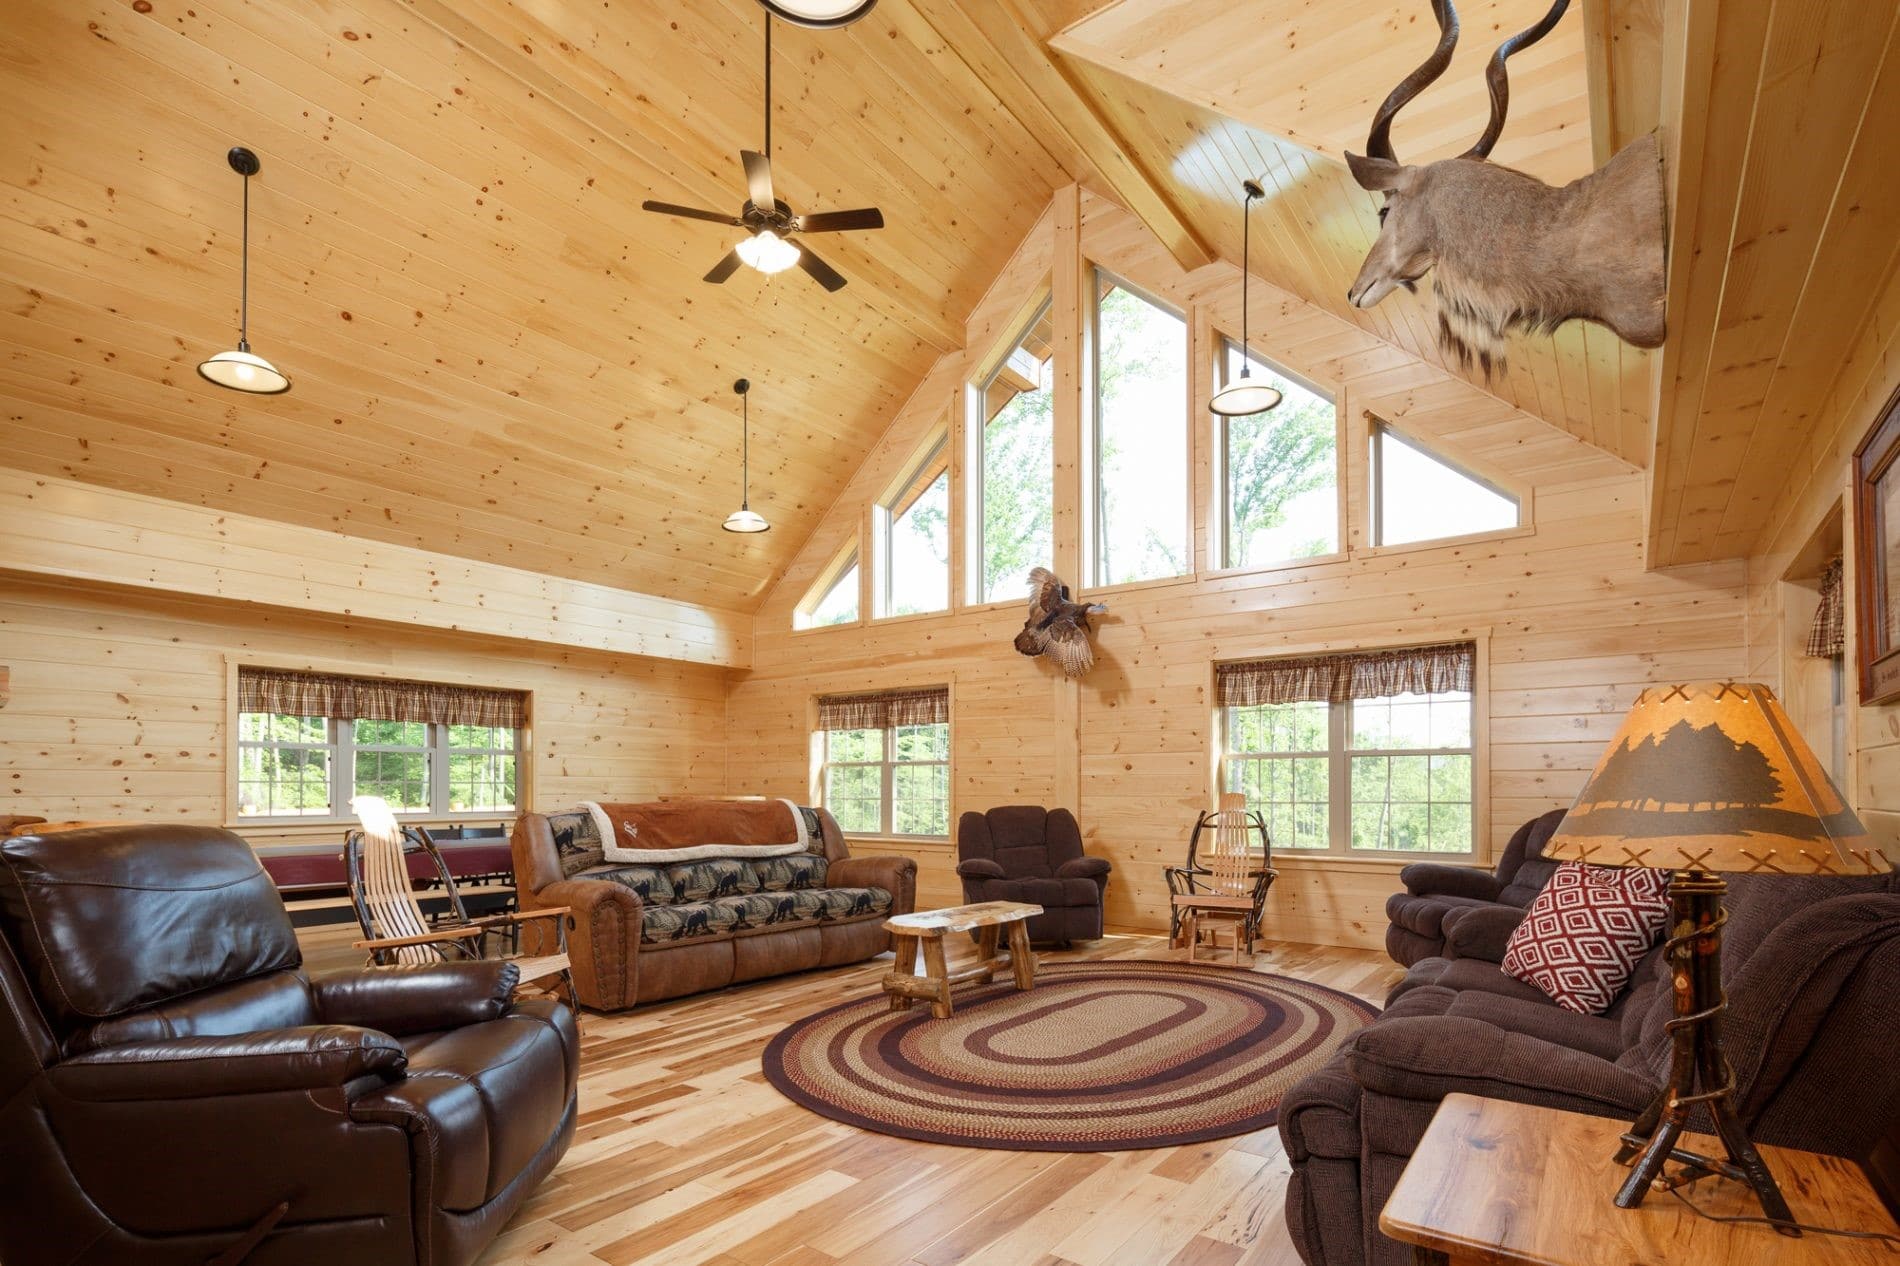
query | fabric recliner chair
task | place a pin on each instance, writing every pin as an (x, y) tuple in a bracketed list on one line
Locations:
[(1438, 897), (1807, 963), (1024, 852), (175, 1089)]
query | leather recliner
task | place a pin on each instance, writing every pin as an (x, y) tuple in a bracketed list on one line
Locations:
[(1024, 852), (174, 1088)]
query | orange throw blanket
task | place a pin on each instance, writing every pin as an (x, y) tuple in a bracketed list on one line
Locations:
[(685, 830)]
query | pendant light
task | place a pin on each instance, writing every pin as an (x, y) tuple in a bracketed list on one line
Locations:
[(745, 518), (1243, 397), (240, 369), (820, 14)]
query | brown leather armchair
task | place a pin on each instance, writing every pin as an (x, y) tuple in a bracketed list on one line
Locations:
[(1024, 852), (175, 1089)]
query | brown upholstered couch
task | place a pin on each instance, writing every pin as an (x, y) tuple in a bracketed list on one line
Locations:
[(646, 933), (172, 1083), (1808, 964), (1438, 897)]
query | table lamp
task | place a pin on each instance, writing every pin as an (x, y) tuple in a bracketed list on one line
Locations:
[(1705, 778)]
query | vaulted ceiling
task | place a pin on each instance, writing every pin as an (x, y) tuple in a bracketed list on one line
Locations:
[(497, 355)]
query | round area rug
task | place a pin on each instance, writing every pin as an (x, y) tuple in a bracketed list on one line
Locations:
[(1098, 1057)]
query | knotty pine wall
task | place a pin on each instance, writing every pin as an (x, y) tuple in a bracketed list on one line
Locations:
[(1810, 518), (118, 705), (1570, 624)]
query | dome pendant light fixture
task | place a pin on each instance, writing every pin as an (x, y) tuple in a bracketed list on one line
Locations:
[(241, 370), (819, 14), (1243, 397), (745, 518)]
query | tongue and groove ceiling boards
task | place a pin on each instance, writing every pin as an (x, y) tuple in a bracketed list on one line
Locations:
[(498, 356)]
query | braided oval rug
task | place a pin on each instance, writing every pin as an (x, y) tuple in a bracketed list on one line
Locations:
[(1098, 1057)]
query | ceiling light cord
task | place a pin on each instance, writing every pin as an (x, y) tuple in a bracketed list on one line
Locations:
[(768, 88), (745, 440), (1246, 266), (244, 275)]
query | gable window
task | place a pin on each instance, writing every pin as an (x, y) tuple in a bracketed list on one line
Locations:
[(1355, 753), (887, 762), (1280, 470), (1140, 360), (1419, 496), (1016, 422), (913, 526), (308, 742), (833, 602)]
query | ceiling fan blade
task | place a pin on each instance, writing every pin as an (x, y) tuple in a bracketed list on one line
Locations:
[(690, 213), (824, 274), (841, 221), (725, 267), (758, 179)]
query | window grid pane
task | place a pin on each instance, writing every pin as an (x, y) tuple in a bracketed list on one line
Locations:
[(1141, 438), (1282, 472), (895, 780), (290, 767), (284, 765)]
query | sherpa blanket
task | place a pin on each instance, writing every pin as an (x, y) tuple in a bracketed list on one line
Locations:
[(687, 830)]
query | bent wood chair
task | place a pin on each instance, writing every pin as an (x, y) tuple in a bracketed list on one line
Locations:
[(1223, 886), (396, 929)]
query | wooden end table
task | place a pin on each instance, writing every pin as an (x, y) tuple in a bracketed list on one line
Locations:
[(1497, 1184), (920, 935)]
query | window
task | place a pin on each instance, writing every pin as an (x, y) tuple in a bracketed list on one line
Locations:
[(1017, 458), (914, 526), (1418, 496), (1281, 471), (303, 751), (1380, 762), (886, 762), (837, 602), (1140, 355)]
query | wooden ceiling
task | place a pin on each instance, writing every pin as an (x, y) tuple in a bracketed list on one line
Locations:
[(495, 353), (1786, 229), (498, 356)]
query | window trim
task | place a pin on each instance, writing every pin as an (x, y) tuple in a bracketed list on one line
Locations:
[(1221, 491), (1378, 427), (976, 428), (887, 785), (1093, 493), (280, 825)]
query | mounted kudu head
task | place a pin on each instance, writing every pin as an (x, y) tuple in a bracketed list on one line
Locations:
[(1507, 251)]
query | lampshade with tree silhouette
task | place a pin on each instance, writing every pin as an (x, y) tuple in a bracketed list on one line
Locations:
[(1713, 776)]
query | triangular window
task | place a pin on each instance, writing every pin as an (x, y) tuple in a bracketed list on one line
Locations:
[(1419, 496)]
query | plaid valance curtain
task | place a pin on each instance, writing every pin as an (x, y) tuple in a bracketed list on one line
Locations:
[(1349, 675), (1827, 638), (377, 698), (927, 706)]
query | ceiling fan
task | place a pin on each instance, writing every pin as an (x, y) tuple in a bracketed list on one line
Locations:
[(769, 221)]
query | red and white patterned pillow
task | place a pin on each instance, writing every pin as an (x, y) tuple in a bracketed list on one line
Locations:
[(1586, 930)]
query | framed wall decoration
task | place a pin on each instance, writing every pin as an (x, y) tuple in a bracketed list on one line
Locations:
[(1877, 557)]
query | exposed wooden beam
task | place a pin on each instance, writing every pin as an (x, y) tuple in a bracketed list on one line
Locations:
[(1006, 47)]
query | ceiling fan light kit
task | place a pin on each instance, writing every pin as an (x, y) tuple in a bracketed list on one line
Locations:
[(1243, 397), (819, 14), (242, 369), (768, 252), (745, 518)]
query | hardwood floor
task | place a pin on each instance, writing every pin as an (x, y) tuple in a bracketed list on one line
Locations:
[(685, 1156)]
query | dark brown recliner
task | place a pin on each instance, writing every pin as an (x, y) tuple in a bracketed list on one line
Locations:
[(1438, 897), (1023, 852), (1808, 965), (174, 1087)]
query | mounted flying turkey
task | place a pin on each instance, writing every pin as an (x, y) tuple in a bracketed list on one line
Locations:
[(770, 221), (1057, 626)]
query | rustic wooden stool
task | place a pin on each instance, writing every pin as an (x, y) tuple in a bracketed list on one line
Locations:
[(920, 936)]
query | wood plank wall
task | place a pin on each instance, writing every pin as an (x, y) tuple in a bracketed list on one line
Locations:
[(1571, 623), (1819, 488), (118, 702)]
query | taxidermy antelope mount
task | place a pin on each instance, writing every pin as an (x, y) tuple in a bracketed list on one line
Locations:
[(1507, 251), (1057, 627)]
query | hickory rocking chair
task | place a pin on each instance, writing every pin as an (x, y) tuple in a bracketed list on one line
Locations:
[(1223, 886), (396, 929)]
